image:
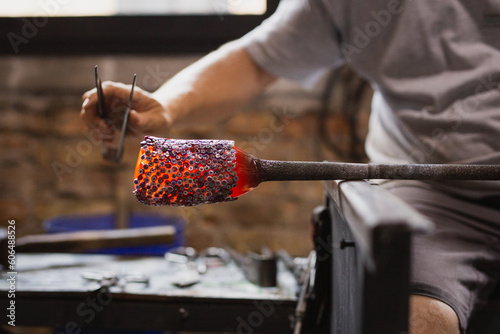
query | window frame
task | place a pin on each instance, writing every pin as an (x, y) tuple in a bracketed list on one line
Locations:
[(163, 34)]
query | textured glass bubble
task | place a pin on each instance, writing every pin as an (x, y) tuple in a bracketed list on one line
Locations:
[(188, 168)]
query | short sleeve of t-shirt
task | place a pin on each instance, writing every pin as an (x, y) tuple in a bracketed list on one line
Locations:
[(298, 42)]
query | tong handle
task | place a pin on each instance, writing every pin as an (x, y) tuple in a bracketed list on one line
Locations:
[(100, 96), (112, 153), (119, 152)]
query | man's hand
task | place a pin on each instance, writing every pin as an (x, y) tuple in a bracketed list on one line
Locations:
[(147, 115), (206, 91)]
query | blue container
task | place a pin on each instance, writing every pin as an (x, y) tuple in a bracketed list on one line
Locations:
[(73, 223)]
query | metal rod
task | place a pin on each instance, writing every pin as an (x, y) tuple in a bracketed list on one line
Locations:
[(119, 152), (273, 170), (112, 152), (100, 96)]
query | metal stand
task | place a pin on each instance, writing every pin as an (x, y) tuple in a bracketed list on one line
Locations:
[(368, 255)]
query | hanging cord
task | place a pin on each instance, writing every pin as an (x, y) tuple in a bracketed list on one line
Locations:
[(350, 109), (331, 82)]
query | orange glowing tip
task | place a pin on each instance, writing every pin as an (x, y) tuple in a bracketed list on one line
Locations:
[(181, 172)]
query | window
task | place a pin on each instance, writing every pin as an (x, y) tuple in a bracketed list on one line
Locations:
[(31, 8), (125, 26)]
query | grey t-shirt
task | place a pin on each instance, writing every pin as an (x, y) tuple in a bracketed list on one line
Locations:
[(434, 67)]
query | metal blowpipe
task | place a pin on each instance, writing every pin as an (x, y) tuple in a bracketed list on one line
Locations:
[(189, 172)]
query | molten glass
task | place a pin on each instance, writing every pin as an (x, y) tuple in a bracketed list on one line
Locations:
[(189, 172)]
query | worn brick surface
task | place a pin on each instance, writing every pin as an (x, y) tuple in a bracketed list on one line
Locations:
[(32, 122), (12, 209), (69, 118), (51, 165)]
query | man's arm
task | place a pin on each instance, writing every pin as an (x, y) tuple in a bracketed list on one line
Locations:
[(213, 86), (208, 90)]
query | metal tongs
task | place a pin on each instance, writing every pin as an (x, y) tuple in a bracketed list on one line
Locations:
[(108, 279), (112, 152)]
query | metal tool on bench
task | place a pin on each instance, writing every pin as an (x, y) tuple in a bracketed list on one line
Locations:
[(186, 256), (111, 152), (195, 265), (107, 279), (306, 290), (193, 268), (260, 269), (298, 266)]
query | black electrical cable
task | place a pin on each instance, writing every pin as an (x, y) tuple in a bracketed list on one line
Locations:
[(331, 82), (350, 110)]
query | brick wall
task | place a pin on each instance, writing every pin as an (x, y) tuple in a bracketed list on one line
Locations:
[(51, 165)]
